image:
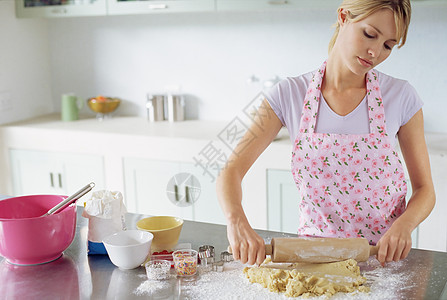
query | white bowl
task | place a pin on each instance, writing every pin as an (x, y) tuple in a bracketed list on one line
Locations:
[(128, 249)]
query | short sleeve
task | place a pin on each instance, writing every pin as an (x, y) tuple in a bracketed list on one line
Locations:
[(274, 98), (412, 103), (286, 99)]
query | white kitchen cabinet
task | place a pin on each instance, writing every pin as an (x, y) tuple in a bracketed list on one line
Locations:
[(287, 5), (61, 8), (146, 190), (273, 5), (206, 208), (145, 183), (433, 231), (283, 199), (121, 7), (43, 172)]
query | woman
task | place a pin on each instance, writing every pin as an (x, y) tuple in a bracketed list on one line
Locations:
[(345, 119)]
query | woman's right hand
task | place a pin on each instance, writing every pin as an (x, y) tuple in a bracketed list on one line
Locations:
[(247, 246)]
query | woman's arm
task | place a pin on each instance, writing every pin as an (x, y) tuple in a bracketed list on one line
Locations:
[(246, 244), (396, 242)]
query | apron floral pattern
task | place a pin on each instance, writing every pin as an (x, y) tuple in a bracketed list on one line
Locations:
[(351, 185)]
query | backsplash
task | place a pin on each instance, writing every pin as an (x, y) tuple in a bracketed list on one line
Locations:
[(212, 56)]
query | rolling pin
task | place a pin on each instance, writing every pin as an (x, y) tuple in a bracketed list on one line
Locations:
[(319, 250)]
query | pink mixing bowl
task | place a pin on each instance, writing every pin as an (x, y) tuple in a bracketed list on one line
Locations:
[(27, 238)]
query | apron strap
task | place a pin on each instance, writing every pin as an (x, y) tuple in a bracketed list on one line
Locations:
[(376, 111), (311, 101)]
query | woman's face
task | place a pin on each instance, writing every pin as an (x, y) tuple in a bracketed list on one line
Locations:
[(366, 43)]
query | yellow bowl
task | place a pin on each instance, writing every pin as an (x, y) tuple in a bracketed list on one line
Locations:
[(166, 231), (103, 105)]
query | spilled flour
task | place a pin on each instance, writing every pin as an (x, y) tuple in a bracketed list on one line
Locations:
[(153, 287), (384, 283)]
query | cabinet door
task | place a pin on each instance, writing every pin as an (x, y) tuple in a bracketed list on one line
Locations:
[(273, 5), (283, 200), (433, 230), (42, 172), (118, 7), (59, 8), (146, 188), (415, 234), (35, 172), (206, 207), (79, 170)]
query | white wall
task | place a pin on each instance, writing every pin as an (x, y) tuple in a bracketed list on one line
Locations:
[(24, 65), (211, 55)]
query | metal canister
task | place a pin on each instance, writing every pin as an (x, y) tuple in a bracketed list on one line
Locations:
[(155, 106), (176, 107)]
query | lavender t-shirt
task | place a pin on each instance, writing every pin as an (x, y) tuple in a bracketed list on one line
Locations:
[(400, 101)]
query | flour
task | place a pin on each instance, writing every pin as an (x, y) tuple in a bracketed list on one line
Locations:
[(150, 287), (385, 283)]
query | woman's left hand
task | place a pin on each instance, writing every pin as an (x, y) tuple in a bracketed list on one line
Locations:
[(395, 244)]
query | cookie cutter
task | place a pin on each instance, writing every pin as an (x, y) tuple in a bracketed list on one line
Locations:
[(206, 255), (226, 256)]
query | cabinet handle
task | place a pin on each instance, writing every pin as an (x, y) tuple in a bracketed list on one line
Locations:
[(187, 193), (60, 179), (157, 6), (51, 179), (277, 2), (59, 11), (176, 192)]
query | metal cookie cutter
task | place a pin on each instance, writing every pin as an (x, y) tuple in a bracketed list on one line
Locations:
[(226, 256), (206, 255), (218, 266)]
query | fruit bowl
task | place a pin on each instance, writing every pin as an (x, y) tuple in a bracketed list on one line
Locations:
[(103, 106)]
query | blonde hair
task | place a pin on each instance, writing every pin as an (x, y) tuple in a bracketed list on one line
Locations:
[(360, 9)]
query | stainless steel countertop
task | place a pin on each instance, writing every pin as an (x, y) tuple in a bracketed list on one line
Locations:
[(78, 276)]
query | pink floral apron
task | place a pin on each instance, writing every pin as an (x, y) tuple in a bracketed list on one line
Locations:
[(351, 185)]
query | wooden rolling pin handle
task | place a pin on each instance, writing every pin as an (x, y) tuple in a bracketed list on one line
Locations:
[(268, 249), (373, 250)]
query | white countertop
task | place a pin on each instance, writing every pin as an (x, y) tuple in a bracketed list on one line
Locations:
[(202, 130), (190, 129)]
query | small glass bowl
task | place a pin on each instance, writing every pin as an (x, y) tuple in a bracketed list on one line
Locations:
[(158, 269), (185, 262)]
